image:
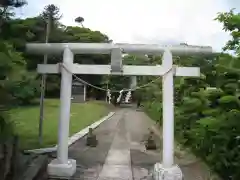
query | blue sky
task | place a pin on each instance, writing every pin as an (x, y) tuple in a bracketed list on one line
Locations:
[(151, 21)]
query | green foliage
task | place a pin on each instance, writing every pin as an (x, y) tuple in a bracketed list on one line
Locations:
[(207, 119), (6, 126), (20, 31), (13, 76), (12, 3), (231, 21), (24, 91), (11, 63), (154, 109), (17, 85), (51, 13)]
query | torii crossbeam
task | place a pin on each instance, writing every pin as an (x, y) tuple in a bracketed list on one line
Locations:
[(62, 166)]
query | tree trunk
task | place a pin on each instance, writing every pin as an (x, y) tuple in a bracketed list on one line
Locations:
[(12, 174)]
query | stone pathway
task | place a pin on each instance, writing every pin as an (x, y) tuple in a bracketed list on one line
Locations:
[(121, 155), (118, 161)]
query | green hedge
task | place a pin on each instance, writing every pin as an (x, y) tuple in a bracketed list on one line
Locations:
[(208, 122)]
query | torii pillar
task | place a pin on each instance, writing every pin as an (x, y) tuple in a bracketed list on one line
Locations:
[(62, 166)]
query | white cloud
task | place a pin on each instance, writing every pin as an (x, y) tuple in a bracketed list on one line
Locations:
[(151, 21)]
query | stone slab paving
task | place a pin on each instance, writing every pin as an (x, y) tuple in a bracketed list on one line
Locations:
[(118, 162), (121, 155), (90, 161)]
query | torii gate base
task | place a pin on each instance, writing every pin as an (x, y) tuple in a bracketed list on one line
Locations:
[(62, 167), (60, 170), (162, 173)]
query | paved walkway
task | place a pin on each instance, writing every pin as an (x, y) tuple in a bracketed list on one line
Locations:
[(121, 155)]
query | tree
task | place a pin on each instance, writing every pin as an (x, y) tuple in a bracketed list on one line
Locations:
[(51, 11), (6, 7), (11, 61), (20, 31), (11, 67), (51, 15), (12, 3), (231, 23), (206, 119), (80, 20)]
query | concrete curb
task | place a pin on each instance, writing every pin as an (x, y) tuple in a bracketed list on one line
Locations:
[(74, 137)]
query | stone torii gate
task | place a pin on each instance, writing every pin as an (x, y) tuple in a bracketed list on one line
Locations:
[(62, 166)]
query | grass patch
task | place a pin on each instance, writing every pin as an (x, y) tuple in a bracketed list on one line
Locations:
[(27, 120)]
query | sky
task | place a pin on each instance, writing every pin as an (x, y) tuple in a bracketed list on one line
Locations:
[(145, 22)]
